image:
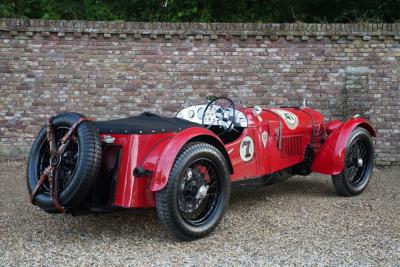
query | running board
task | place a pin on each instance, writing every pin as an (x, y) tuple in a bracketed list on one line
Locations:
[(251, 183), (261, 181)]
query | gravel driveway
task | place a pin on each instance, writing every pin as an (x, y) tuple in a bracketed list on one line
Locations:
[(298, 222)]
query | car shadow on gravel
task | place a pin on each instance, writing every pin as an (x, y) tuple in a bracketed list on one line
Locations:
[(144, 223), (119, 224), (294, 187)]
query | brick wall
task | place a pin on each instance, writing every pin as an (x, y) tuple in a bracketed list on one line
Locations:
[(116, 69)]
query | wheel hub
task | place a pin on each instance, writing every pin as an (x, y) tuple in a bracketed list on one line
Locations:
[(202, 192), (360, 162), (55, 160), (194, 188)]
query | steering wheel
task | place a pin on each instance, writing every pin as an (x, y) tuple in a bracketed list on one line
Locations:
[(220, 112)]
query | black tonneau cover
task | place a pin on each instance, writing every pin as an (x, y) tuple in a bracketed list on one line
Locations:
[(145, 123)]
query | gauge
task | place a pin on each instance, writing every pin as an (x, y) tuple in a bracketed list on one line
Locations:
[(200, 113), (243, 122), (191, 113)]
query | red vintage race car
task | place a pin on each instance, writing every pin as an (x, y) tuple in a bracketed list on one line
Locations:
[(186, 166)]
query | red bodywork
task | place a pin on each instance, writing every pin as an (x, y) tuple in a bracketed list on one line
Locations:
[(276, 147)]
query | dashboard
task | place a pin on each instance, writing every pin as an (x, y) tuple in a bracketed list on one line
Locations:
[(215, 116)]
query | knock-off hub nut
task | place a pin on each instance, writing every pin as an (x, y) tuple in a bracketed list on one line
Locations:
[(55, 160)]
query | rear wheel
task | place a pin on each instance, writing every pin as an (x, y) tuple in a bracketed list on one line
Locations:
[(358, 164), (197, 193)]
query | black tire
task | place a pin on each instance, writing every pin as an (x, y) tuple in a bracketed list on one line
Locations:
[(79, 166), (182, 223), (358, 164)]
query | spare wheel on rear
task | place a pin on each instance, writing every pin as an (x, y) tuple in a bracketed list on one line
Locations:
[(77, 168)]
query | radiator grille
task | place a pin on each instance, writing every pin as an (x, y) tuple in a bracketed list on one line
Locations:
[(292, 146)]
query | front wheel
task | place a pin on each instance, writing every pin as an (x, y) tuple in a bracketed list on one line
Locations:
[(197, 193), (358, 164)]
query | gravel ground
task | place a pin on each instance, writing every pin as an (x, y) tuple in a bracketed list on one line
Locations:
[(298, 222)]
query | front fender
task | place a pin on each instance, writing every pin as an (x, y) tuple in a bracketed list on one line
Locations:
[(162, 160), (330, 158)]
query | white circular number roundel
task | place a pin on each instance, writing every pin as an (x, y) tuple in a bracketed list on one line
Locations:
[(290, 118), (247, 148)]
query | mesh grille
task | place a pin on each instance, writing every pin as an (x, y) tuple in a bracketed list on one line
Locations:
[(292, 146)]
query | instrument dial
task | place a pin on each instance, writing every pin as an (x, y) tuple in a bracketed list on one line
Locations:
[(191, 113), (200, 112)]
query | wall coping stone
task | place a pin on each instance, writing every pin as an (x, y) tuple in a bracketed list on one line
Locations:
[(224, 29)]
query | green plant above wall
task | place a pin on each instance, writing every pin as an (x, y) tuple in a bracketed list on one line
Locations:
[(206, 10)]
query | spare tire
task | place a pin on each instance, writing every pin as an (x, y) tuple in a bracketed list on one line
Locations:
[(78, 168)]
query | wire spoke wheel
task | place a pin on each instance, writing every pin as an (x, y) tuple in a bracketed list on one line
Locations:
[(68, 160), (358, 164), (60, 176), (357, 161), (194, 200), (198, 192)]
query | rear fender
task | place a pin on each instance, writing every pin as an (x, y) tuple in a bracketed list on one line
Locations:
[(330, 158), (160, 161)]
